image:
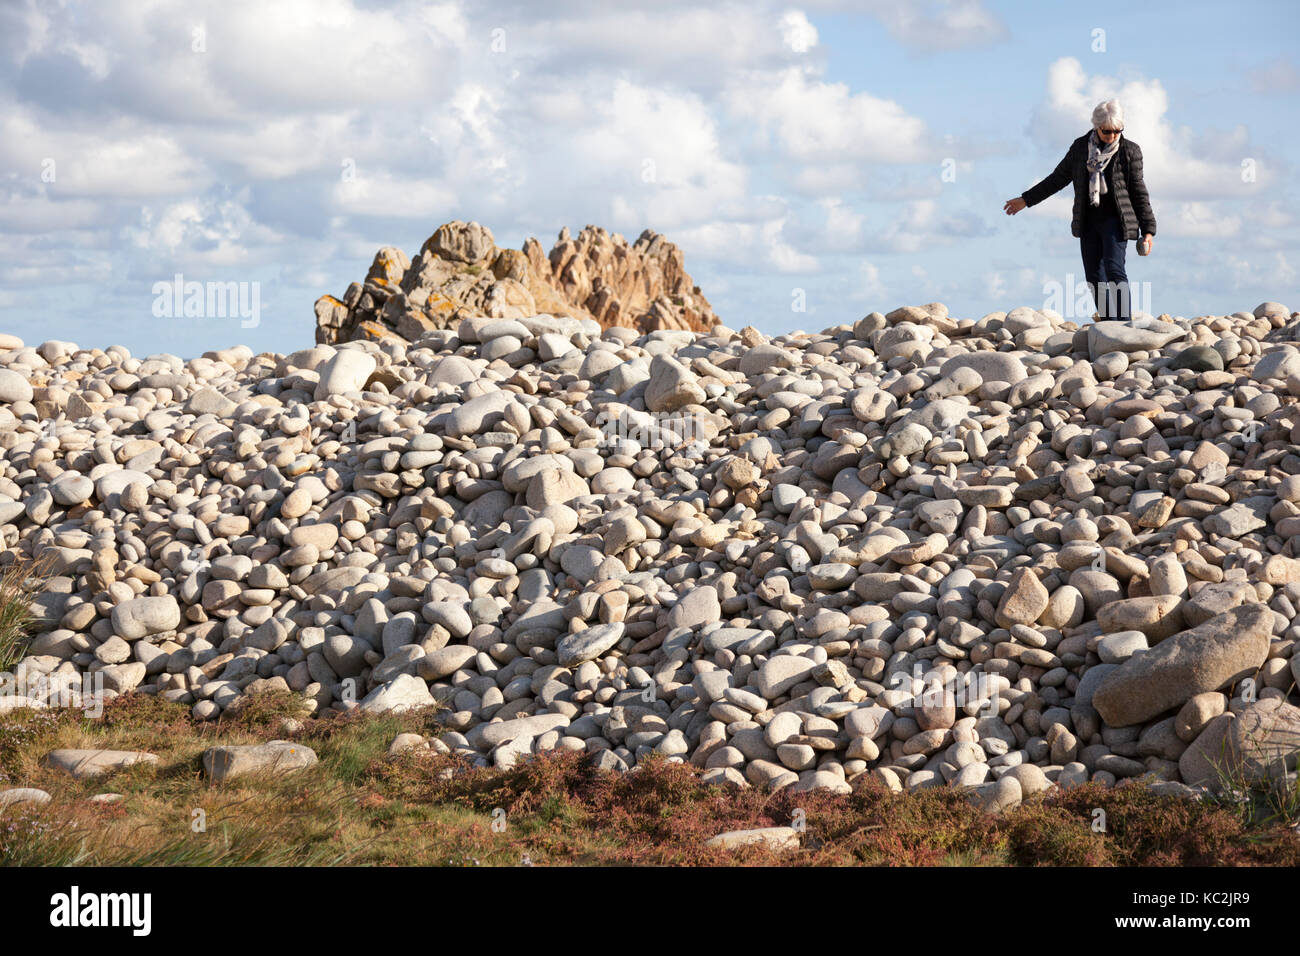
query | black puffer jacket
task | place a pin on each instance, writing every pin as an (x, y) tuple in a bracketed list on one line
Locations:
[(1126, 176)]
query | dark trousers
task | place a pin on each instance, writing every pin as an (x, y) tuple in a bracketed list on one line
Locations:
[(1103, 246)]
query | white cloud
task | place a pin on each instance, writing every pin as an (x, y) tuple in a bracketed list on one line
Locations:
[(913, 228), (33, 268), (869, 288), (315, 54), (37, 212), (286, 147), (814, 121), (210, 231), (938, 25), (147, 166), (1200, 220), (38, 32), (747, 245), (656, 153), (662, 46), (1271, 215), (383, 193), (1261, 277), (226, 61), (306, 277), (112, 161), (830, 179), (796, 32), (843, 225), (1009, 284), (995, 286)]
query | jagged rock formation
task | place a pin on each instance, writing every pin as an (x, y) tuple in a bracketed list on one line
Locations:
[(460, 273)]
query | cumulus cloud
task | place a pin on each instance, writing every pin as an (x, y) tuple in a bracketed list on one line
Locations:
[(290, 141), (811, 120), (1006, 283), (394, 196), (749, 245), (1258, 278), (213, 229), (869, 286), (109, 161), (843, 224), (227, 60), (939, 25), (26, 208), (666, 44), (1200, 219), (659, 152), (796, 32), (223, 130), (286, 147)]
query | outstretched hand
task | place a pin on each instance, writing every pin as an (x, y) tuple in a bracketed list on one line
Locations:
[(1014, 206)]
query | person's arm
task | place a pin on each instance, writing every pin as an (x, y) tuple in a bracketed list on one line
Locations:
[(1137, 192), (1057, 180)]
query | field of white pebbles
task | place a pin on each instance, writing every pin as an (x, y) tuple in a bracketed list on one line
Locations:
[(1007, 553)]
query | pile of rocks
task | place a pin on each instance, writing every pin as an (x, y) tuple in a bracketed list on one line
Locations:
[(460, 273), (1005, 553)]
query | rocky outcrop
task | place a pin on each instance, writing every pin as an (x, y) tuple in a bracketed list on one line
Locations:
[(460, 273)]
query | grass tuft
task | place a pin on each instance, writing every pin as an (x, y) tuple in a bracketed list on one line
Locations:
[(20, 582), (270, 712), (21, 730)]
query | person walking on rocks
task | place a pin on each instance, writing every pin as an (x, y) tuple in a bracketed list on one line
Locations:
[(1111, 206)]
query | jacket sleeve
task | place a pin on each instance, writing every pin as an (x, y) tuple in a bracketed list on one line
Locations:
[(1057, 180), (1137, 192)]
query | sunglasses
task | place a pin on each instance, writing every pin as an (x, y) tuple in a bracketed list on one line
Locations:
[(1110, 132)]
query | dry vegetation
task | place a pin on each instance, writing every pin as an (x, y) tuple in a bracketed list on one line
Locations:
[(359, 806)]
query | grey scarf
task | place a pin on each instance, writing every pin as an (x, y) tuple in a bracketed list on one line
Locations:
[(1098, 158)]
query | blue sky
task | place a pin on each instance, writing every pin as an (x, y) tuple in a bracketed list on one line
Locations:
[(794, 147)]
